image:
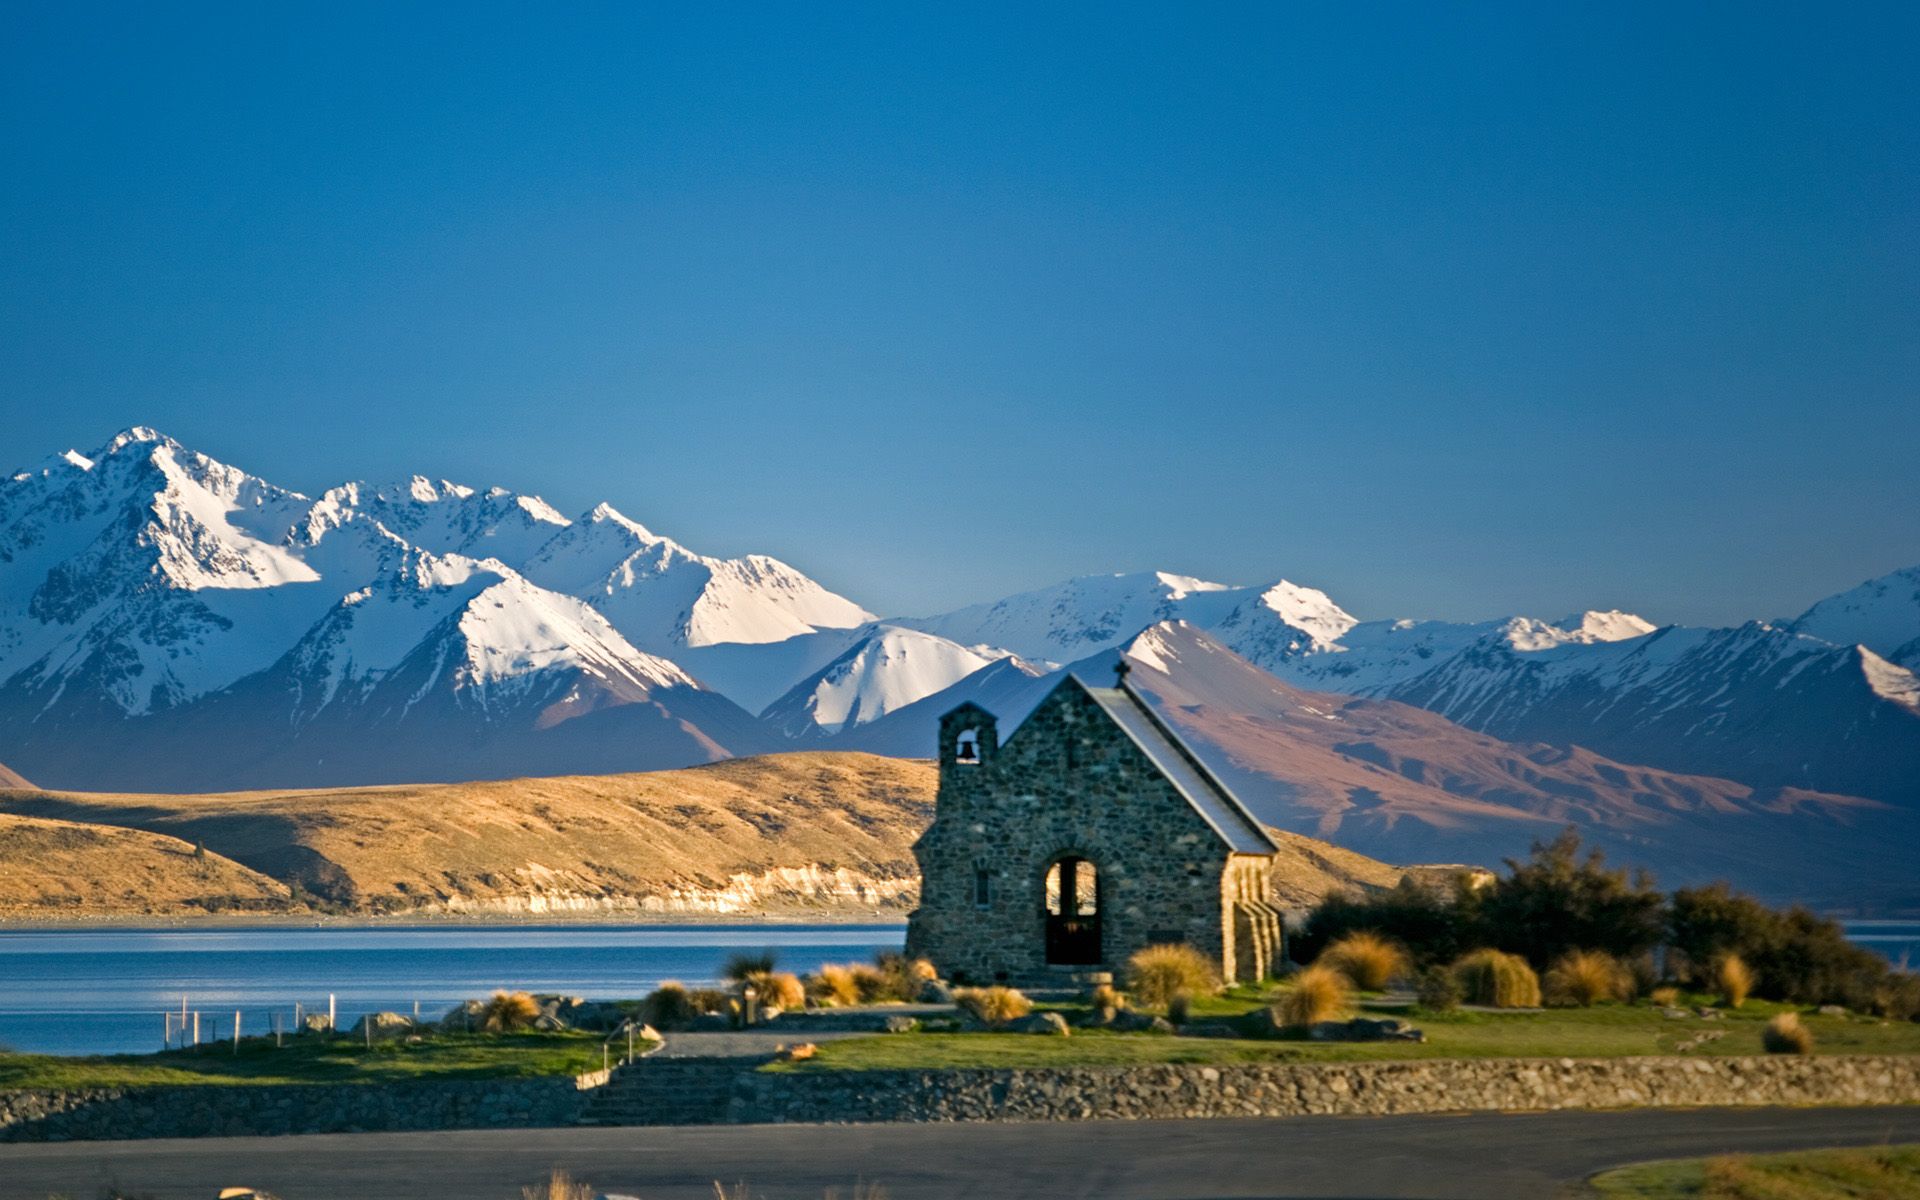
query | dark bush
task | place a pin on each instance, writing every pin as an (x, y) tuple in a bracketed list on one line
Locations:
[(1556, 902), (1424, 920), (1439, 991)]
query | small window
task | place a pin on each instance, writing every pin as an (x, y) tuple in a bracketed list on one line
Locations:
[(983, 889)]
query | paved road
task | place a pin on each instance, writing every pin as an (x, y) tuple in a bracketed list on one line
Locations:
[(1484, 1157)]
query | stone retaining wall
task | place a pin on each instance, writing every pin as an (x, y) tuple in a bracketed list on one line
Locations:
[(1284, 1090), (248, 1110), (1053, 1094)]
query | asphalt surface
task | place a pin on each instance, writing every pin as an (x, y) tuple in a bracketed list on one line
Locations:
[(1479, 1157)]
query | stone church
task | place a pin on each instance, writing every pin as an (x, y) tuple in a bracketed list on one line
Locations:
[(1094, 832)]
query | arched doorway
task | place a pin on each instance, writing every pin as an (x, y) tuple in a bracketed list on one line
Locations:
[(1073, 912)]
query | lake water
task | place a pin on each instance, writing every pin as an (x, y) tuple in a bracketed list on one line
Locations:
[(104, 991)]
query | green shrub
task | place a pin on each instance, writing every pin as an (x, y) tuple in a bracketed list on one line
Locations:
[(1318, 994), (1898, 998), (507, 1011), (1369, 960), (1157, 973), (1793, 955), (1583, 978), (1428, 922), (1786, 1035), (1497, 980), (993, 1006), (1439, 991)]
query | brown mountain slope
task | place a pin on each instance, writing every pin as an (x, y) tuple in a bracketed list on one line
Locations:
[(1404, 784), (60, 868), (789, 834), (809, 834), (10, 778)]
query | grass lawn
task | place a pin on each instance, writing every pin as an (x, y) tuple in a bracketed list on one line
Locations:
[(311, 1059), (1603, 1031), (1882, 1173)]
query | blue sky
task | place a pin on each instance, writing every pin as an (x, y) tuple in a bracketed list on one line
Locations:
[(1449, 310)]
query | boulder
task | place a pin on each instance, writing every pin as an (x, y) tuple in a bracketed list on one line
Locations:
[(1361, 1029), (465, 1016), (1041, 1022), (549, 1023), (384, 1024), (899, 1023), (1832, 1010), (1260, 1023), (936, 991), (315, 1023)]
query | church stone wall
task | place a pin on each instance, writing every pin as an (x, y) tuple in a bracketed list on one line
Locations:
[(1069, 782)]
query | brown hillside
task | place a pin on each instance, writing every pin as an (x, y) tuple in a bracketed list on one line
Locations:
[(10, 778), (807, 834), (791, 833), (60, 868)]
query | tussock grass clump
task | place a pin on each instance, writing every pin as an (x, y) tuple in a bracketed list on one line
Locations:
[(742, 967), (1786, 1035), (870, 983), (711, 1000), (833, 984), (559, 1186), (670, 1006), (1584, 978), (781, 989), (994, 1006), (1318, 994), (1735, 980), (1497, 980), (507, 1011), (1369, 960), (1665, 997), (1106, 998), (1439, 991), (904, 976), (1157, 973)]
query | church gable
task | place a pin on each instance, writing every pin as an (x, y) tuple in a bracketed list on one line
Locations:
[(1092, 832)]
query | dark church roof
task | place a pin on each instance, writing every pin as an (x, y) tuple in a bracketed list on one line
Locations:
[(1183, 769)]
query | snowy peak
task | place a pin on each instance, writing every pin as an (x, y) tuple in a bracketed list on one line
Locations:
[(444, 517), (1527, 634), (665, 597), (881, 673), (1881, 614)]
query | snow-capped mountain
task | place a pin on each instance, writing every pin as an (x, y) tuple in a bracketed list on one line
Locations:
[(884, 671), (1095, 612), (666, 598), (1881, 614), (145, 586), (155, 603)]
